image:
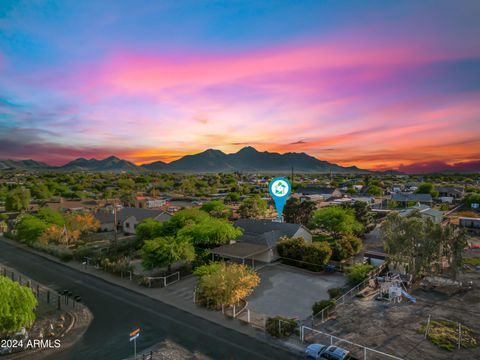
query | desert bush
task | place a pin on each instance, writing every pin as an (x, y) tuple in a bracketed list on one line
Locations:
[(280, 326), (322, 304)]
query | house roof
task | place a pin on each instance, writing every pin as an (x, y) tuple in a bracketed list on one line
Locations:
[(265, 232), (239, 250), (412, 197), (449, 189), (424, 209), (139, 213), (315, 190)]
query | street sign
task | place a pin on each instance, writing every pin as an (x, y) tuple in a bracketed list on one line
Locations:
[(133, 337), (135, 334)]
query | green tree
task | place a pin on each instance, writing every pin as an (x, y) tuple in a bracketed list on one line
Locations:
[(17, 199), (216, 208), (183, 218), (472, 198), (427, 188), (148, 229), (422, 246), (233, 196), (210, 231), (336, 220), (3, 193), (165, 251), (51, 216), (30, 228), (345, 247), (356, 273), (392, 204), (41, 191), (128, 198), (374, 191), (363, 214), (298, 212), (253, 208), (17, 305), (227, 284)]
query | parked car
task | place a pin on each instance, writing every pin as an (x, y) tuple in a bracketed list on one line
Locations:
[(321, 352), (335, 353), (314, 351)]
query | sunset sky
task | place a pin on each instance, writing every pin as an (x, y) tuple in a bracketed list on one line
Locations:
[(377, 84)]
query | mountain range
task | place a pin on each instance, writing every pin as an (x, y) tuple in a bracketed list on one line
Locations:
[(247, 159)]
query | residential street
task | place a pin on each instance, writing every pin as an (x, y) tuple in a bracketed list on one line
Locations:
[(117, 311)]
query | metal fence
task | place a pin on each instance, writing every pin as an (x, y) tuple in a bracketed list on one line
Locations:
[(165, 280), (61, 300), (358, 351), (327, 312), (149, 281)]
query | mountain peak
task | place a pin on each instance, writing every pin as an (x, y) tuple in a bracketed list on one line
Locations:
[(247, 150)]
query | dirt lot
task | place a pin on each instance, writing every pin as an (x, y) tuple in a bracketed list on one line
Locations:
[(394, 328)]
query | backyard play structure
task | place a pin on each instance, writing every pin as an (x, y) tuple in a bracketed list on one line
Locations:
[(393, 289)]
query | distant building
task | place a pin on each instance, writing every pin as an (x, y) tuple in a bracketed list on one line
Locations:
[(404, 199), (426, 212), (259, 240), (317, 191), (448, 191), (398, 188), (128, 218), (89, 205), (150, 202), (469, 222)]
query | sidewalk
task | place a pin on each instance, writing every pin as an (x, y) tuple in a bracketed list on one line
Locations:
[(179, 295)]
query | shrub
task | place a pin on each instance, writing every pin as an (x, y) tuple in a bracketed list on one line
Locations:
[(346, 247), (61, 252), (444, 334), (280, 326), (83, 251), (335, 292), (310, 256), (357, 273), (322, 304)]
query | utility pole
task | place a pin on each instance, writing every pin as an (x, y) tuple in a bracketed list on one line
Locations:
[(292, 176), (115, 222)]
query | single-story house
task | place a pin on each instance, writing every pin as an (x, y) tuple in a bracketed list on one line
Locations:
[(426, 212), (259, 240), (128, 218), (316, 191), (149, 202), (75, 205), (448, 191), (403, 199)]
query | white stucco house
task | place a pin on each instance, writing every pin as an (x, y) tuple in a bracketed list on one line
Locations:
[(128, 218)]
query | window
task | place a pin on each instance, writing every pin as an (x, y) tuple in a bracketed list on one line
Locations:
[(127, 225)]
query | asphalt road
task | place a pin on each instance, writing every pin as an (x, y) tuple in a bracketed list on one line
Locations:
[(117, 311)]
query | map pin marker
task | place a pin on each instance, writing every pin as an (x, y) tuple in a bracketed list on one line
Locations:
[(279, 190)]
